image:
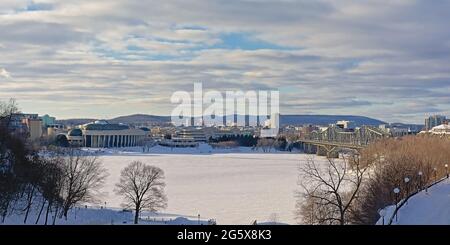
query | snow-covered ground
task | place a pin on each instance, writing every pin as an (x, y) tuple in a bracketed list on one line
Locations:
[(425, 208), (233, 186), (101, 216)]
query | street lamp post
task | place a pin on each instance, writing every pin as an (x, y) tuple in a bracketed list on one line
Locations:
[(435, 174), (407, 188), (420, 180), (397, 192), (446, 170)]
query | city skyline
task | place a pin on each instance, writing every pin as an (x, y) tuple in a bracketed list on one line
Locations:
[(77, 59)]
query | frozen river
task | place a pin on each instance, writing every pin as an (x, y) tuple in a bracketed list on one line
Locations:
[(233, 188)]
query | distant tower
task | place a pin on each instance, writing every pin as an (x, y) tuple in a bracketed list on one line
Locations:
[(434, 121)]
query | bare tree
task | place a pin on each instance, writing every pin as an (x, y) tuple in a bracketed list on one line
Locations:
[(34, 173), (313, 211), (12, 154), (7, 110), (83, 175), (266, 144), (330, 191), (8, 191), (142, 187), (50, 187)]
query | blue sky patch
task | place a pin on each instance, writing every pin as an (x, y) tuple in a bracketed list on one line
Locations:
[(38, 7), (245, 41)]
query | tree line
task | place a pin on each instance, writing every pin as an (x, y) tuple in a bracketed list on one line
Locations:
[(51, 182), (266, 144)]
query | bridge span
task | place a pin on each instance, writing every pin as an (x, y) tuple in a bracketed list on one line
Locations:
[(326, 148), (330, 141)]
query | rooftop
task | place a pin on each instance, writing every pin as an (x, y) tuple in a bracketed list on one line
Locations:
[(104, 125)]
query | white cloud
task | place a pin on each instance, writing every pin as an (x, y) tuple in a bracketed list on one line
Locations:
[(4, 73), (372, 57)]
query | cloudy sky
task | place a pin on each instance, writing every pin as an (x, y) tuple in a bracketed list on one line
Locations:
[(83, 58)]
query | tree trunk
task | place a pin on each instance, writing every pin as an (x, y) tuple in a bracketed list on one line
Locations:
[(66, 208), (40, 212), (66, 212), (56, 214), (136, 215), (4, 216), (5, 212), (26, 214), (29, 204), (46, 214)]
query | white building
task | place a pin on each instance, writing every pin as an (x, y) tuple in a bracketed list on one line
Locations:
[(395, 131), (345, 124), (179, 142), (443, 129), (101, 134), (198, 134)]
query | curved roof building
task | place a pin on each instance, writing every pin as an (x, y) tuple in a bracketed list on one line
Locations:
[(102, 134), (75, 132)]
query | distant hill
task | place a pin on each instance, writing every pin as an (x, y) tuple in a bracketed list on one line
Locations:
[(140, 119), (75, 121), (136, 119), (324, 120), (327, 119)]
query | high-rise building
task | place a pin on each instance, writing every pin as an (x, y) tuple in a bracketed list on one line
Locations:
[(34, 128), (434, 121)]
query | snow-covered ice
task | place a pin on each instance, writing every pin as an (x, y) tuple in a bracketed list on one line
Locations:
[(233, 186)]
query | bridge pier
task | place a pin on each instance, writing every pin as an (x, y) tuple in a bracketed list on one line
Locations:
[(333, 154), (321, 151), (309, 148), (306, 148)]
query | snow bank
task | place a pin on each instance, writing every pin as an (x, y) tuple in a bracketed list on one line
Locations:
[(425, 208), (102, 216)]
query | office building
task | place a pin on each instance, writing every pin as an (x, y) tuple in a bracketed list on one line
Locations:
[(434, 121)]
